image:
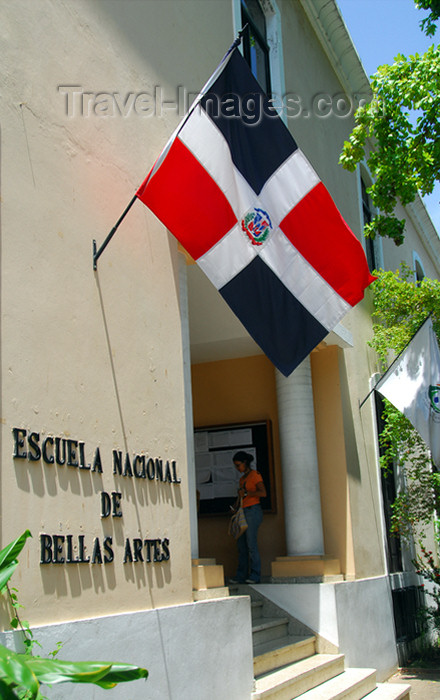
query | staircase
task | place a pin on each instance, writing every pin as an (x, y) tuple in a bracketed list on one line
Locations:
[(287, 664)]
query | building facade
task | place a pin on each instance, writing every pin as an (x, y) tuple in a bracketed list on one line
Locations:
[(126, 389)]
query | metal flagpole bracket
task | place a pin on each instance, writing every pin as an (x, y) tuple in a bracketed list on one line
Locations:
[(235, 43), (97, 253)]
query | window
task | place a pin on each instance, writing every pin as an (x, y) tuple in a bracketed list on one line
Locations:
[(389, 492), (419, 272), (367, 215), (407, 603), (255, 46)]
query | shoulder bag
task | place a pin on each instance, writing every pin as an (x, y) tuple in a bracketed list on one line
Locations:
[(238, 524)]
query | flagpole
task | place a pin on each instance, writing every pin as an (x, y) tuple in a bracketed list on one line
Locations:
[(96, 254), (394, 362), (235, 43)]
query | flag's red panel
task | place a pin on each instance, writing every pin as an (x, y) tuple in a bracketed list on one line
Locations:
[(320, 234), (188, 201)]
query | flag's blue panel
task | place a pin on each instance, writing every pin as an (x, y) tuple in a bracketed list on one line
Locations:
[(259, 143), (260, 300)]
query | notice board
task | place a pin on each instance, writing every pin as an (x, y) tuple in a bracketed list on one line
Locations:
[(216, 476)]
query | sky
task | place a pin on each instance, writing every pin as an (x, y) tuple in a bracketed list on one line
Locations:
[(381, 29)]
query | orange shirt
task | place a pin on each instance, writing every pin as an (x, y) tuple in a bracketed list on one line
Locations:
[(249, 483)]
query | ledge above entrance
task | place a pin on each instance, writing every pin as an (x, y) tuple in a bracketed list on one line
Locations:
[(339, 336)]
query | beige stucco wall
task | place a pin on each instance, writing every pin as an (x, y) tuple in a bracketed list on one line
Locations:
[(356, 366), (92, 357), (332, 458), (96, 357), (394, 255)]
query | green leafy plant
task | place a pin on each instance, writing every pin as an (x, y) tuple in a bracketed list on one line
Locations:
[(414, 507), (428, 24), (8, 564), (398, 132), (400, 306), (21, 675)]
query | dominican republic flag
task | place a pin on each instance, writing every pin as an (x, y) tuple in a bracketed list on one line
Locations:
[(234, 188), (412, 384)]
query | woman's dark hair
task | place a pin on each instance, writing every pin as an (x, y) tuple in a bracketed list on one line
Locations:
[(242, 456)]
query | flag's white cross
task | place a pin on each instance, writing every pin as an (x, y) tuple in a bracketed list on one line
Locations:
[(292, 181)]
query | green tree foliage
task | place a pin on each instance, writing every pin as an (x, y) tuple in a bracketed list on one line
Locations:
[(21, 675), (401, 124), (400, 307), (428, 24)]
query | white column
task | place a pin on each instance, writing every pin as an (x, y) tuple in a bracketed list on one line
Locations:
[(299, 462), (188, 407)]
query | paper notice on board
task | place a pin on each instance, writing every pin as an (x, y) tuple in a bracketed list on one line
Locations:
[(229, 438), (203, 476), (201, 441)]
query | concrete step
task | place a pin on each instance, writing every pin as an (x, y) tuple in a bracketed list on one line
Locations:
[(265, 629), (286, 666), (390, 691), (257, 607), (352, 684), (281, 652), (291, 681), (315, 565), (206, 576), (208, 593)]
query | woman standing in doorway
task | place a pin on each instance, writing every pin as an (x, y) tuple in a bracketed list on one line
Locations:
[(251, 490)]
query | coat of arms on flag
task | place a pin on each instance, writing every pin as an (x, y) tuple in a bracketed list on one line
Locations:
[(234, 188)]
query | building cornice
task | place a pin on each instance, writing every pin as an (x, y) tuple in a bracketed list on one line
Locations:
[(330, 28)]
